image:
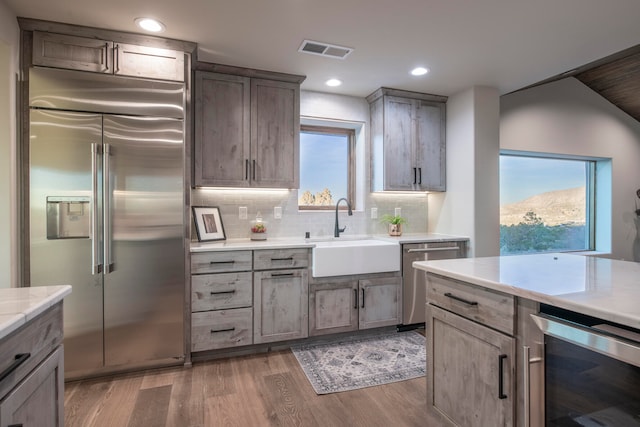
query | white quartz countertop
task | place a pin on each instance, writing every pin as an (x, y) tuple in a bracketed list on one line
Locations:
[(295, 242), (20, 305), (599, 287)]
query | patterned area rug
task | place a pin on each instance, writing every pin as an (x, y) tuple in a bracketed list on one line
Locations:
[(352, 362)]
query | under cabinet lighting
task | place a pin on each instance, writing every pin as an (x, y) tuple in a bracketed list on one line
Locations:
[(149, 24)]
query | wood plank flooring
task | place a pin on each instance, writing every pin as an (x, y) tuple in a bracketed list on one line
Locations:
[(267, 389)]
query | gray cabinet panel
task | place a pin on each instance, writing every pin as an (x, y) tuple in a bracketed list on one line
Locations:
[(281, 305), (222, 130), (71, 52), (408, 141), (465, 360), (246, 132), (149, 62), (380, 302), (333, 307)]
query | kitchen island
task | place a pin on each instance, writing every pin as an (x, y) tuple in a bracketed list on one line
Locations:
[(31, 356), (479, 314)]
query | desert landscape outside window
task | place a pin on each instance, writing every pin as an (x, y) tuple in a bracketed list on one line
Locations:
[(546, 204)]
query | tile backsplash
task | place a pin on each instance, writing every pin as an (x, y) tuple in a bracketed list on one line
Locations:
[(295, 223)]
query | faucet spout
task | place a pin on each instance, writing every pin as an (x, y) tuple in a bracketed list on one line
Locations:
[(337, 230)]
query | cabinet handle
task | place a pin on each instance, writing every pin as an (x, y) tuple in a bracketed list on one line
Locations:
[(362, 306), (254, 170), (526, 382), (116, 57), (450, 295), (246, 169), (15, 425), (501, 394), (19, 359), (441, 249), (282, 259), (215, 331), (106, 56), (222, 262), (223, 292), (355, 299), (281, 274), (414, 175), (419, 175)]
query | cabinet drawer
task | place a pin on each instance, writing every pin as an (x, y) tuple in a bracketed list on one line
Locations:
[(493, 309), (221, 291), (221, 329), (280, 258), (220, 262), (37, 338)]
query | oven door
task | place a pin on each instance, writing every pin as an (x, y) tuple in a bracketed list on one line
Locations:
[(592, 374)]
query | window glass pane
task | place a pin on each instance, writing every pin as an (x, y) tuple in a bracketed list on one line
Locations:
[(544, 204), (324, 169)]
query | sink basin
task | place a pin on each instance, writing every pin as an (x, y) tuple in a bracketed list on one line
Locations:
[(346, 257)]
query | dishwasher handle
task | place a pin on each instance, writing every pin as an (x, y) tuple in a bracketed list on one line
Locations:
[(441, 249)]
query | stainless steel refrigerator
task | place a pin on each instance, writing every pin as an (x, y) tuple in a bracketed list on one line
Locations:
[(106, 215)]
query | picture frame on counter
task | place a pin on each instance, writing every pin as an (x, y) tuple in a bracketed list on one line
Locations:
[(208, 223)]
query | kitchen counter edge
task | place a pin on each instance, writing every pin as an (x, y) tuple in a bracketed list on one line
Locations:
[(293, 242), (21, 305)]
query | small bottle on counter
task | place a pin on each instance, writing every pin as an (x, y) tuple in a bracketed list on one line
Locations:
[(258, 228)]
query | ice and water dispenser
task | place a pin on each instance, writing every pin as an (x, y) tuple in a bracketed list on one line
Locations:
[(68, 217)]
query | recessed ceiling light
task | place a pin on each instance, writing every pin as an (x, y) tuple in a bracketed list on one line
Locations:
[(419, 71), (149, 24), (333, 82)]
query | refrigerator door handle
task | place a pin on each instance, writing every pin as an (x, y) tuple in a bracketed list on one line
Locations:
[(106, 180), (96, 266)]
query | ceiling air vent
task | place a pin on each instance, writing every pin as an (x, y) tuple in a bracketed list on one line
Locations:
[(324, 49)]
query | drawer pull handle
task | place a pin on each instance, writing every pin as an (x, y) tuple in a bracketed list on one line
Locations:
[(223, 292), (215, 331), (222, 262), (282, 259), (281, 274), (501, 394), (450, 295), (18, 360)]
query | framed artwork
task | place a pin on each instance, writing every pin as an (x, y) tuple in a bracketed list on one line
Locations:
[(208, 223)]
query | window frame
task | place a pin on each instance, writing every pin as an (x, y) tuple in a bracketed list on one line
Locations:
[(590, 190), (351, 164)]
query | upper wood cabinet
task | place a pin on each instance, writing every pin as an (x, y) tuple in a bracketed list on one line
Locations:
[(246, 131), (108, 57), (408, 141)]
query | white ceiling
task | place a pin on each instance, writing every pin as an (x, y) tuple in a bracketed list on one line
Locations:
[(508, 44)]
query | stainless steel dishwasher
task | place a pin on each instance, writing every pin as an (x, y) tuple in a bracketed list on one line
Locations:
[(414, 282)]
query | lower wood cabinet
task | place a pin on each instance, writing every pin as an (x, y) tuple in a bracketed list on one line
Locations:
[(32, 373), (343, 304), (280, 304), (471, 354), (37, 400), (472, 371)]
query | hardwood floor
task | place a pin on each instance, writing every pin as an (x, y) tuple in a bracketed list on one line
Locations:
[(268, 389)]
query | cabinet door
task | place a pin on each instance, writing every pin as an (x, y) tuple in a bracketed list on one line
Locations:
[(275, 134), (471, 381), (71, 52), (430, 150), (281, 305), (333, 307), (380, 302), (149, 62), (222, 127), (39, 399), (400, 172)]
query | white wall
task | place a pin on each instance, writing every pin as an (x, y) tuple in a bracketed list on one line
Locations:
[(9, 47), (470, 206), (566, 117)]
